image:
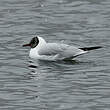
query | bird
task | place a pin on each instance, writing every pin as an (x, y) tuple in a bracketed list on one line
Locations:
[(42, 50)]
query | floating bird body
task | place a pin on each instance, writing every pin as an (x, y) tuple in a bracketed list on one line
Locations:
[(42, 50)]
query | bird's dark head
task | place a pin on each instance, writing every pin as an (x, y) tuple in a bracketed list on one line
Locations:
[(33, 43)]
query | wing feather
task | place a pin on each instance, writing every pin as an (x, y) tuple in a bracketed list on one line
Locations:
[(52, 49), (62, 50)]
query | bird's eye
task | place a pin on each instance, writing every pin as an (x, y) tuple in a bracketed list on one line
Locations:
[(33, 41)]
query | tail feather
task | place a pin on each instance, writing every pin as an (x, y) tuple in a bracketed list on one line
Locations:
[(90, 48)]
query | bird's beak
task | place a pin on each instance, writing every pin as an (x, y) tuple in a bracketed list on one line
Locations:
[(25, 45)]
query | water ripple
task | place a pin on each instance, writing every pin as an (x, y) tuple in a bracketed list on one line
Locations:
[(82, 84)]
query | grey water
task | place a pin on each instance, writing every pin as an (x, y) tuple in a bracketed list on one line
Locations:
[(81, 84)]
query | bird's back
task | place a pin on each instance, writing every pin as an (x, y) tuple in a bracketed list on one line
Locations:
[(61, 50)]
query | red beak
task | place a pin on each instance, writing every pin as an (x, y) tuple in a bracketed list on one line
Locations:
[(26, 45)]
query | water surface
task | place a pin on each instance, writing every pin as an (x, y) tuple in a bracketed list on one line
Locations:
[(82, 84)]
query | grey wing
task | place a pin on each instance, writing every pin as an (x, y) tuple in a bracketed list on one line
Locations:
[(62, 50), (53, 49)]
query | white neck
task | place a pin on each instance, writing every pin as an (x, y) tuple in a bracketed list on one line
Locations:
[(41, 42)]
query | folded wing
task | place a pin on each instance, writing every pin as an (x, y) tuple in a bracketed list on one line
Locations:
[(61, 50)]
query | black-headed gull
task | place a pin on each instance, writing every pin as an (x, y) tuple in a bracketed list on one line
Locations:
[(40, 49)]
